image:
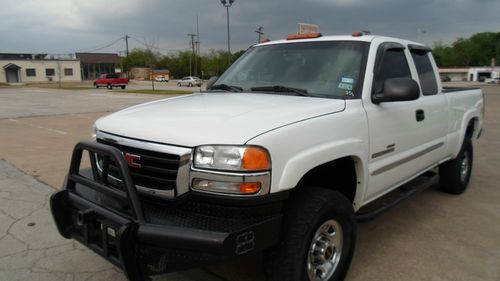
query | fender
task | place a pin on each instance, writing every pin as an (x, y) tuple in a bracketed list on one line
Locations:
[(456, 139), (321, 140)]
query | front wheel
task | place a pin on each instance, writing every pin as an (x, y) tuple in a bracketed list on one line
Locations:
[(454, 175), (109, 86), (318, 238), (123, 87), (178, 84)]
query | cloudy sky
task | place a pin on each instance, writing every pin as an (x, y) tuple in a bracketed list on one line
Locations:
[(67, 26)]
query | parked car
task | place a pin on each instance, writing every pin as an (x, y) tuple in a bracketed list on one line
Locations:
[(189, 81), (492, 80), (110, 81), (445, 79), (283, 154), (160, 79)]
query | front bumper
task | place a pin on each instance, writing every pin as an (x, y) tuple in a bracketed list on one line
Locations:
[(146, 238)]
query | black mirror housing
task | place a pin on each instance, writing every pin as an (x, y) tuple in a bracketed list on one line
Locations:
[(398, 89), (211, 81)]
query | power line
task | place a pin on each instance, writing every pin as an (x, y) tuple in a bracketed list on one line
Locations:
[(150, 46), (103, 47)]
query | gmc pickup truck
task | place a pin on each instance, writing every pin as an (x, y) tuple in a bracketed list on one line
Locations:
[(297, 141), (110, 81)]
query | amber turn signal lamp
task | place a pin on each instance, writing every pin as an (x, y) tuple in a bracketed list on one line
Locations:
[(255, 159), (249, 187)]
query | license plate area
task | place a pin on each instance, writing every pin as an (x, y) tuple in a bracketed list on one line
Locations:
[(97, 233)]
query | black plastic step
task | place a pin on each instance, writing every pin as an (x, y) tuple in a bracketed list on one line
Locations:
[(386, 202)]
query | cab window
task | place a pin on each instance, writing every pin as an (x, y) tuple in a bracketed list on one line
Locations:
[(426, 73)]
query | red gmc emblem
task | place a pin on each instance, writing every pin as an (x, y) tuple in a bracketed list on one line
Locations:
[(131, 160)]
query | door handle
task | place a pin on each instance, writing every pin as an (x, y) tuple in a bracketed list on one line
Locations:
[(420, 115)]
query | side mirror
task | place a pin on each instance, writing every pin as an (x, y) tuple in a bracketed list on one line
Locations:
[(398, 89), (211, 81)]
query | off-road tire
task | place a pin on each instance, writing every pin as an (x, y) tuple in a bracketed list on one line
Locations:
[(307, 210), (454, 175)]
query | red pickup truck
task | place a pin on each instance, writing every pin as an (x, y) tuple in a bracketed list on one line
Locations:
[(110, 80)]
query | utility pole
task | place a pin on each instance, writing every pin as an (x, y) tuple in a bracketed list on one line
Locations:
[(198, 58), (120, 54), (193, 50), (227, 4), (126, 45), (260, 33)]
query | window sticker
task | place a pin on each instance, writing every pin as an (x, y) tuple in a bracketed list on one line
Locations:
[(347, 80), (347, 85)]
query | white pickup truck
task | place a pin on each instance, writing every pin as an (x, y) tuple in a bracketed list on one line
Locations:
[(294, 143)]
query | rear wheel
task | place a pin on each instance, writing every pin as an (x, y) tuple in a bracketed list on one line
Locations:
[(123, 87), (96, 86), (454, 175), (318, 238), (190, 84), (109, 86), (178, 84)]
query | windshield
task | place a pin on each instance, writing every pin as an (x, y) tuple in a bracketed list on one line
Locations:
[(324, 69)]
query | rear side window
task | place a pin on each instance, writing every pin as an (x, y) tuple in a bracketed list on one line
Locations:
[(426, 73)]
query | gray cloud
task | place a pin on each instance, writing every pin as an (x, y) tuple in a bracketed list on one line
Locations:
[(65, 26)]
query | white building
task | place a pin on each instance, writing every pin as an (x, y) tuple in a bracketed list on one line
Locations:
[(472, 74), (28, 68)]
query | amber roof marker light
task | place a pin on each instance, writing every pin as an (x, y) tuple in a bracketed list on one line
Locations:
[(303, 36)]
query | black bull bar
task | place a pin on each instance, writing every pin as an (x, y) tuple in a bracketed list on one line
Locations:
[(111, 222)]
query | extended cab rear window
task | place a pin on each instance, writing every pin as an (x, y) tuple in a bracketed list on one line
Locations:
[(425, 71)]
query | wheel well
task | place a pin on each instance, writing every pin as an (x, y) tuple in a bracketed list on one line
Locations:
[(338, 175), (469, 133)]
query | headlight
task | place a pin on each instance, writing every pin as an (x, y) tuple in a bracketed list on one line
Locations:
[(232, 158), (93, 134)]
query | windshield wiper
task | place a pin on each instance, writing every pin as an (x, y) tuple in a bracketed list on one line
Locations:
[(281, 89), (226, 87)]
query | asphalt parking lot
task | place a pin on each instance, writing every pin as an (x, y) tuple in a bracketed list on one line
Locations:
[(431, 236)]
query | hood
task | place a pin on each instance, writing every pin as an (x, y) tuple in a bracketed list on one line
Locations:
[(214, 118)]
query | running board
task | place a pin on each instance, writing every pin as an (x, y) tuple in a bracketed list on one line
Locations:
[(383, 204)]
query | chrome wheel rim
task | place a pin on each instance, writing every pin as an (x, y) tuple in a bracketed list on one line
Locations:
[(464, 167), (325, 251)]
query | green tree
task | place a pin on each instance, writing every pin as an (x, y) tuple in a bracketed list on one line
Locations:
[(478, 50)]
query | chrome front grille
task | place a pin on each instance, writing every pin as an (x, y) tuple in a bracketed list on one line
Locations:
[(157, 170)]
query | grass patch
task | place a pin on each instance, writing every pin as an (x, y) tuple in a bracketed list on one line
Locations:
[(156, 92)]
